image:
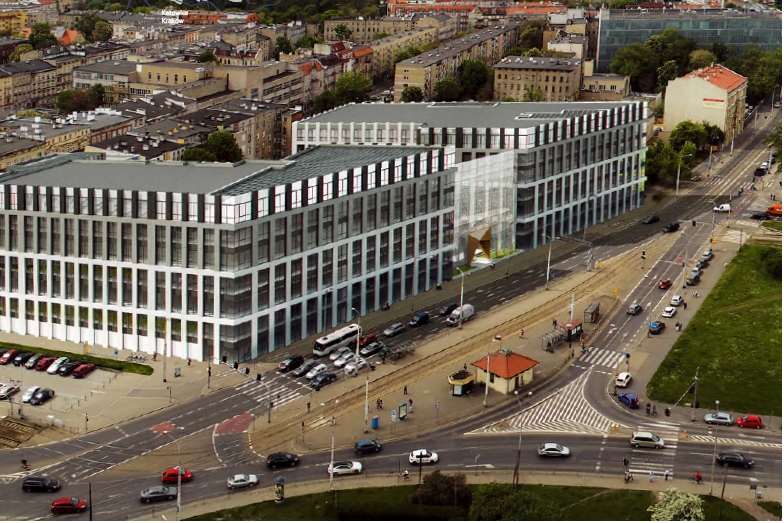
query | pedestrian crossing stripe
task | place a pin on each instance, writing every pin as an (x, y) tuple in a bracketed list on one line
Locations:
[(735, 441), (279, 394), (602, 357), (646, 460)]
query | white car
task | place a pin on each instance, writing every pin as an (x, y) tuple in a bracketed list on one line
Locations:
[(56, 364), (355, 365), (553, 449), (676, 301), (764, 165), (724, 207), (339, 468), (623, 379), (318, 369), (242, 481), (423, 456), (29, 393), (339, 353), (669, 312), (350, 356)]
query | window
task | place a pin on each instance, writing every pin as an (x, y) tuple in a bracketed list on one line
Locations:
[(176, 246), (295, 288), (176, 292), (127, 242), (112, 286), (55, 236), (326, 267), (209, 295), (193, 248), (160, 245), (280, 238), (41, 277), (160, 291), (280, 283), (70, 239), (112, 240), (356, 264), (262, 289), (327, 218), (98, 284), (141, 243), (70, 279), (342, 263), (235, 253), (28, 234), (263, 242), (312, 275), (141, 288), (42, 240), (296, 233)]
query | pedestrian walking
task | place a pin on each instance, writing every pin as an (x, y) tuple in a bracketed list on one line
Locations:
[(308, 407), (405, 390), (667, 475), (685, 305), (625, 463), (572, 354), (381, 404), (410, 405), (465, 366), (651, 476), (654, 410), (582, 342), (555, 323)]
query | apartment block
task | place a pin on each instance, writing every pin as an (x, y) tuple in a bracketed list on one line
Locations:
[(58, 136), (7, 46), (517, 77), (446, 24), (271, 82), (14, 150), (384, 50), (13, 21), (115, 77), (363, 30), (33, 84)]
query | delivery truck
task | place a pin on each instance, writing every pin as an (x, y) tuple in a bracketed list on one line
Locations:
[(467, 312)]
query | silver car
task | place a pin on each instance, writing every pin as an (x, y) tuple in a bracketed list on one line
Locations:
[(394, 330), (719, 418), (346, 358)]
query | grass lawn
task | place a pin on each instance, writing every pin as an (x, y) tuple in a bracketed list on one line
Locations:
[(774, 507), (729, 512), (616, 505), (103, 363), (736, 334), (772, 225)]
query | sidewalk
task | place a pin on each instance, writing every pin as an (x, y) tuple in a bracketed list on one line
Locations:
[(736, 494)]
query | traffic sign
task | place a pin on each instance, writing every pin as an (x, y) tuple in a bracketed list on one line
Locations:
[(394, 415)]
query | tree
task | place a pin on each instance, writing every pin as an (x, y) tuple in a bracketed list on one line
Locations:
[(224, 146), (686, 158), (773, 140), (513, 51), (714, 133), (688, 131), (533, 94), (32, 113), (533, 52), (677, 506), (442, 490), (508, 98), (19, 50), (41, 36), (325, 101), (499, 502), (198, 154), (621, 4), (282, 45), (308, 42), (473, 74), (379, 36), (73, 100), (446, 90), (86, 24), (102, 33), (661, 162), (636, 62), (719, 50), (762, 68), (771, 260), (207, 57), (343, 32), (665, 73), (412, 93), (117, 6), (700, 59), (352, 87), (96, 95), (533, 35)]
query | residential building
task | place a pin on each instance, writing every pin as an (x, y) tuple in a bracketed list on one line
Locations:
[(385, 49), (243, 260), (288, 117), (427, 69), (191, 134), (14, 150), (364, 30), (191, 79), (508, 371), (57, 137), (6, 89), (115, 77), (715, 95), (530, 169), (736, 29), (598, 87), (33, 84), (103, 123), (157, 107), (7, 46), (64, 62), (573, 45), (269, 82), (292, 31), (14, 21), (446, 24), (518, 77), (147, 147), (67, 36), (574, 21)]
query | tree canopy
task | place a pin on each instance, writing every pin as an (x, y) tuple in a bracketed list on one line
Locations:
[(762, 68), (442, 490), (412, 93), (474, 75), (41, 36), (343, 32), (80, 99), (674, 505), (207, 56), (446, 90), (224, 146), (282, 45), (688, 131), (19, 50), (701, 58), (353, 87), (198, 154), (102, 32), (499, 502)]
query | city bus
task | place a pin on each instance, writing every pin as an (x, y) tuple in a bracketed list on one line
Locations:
[(340, 338)]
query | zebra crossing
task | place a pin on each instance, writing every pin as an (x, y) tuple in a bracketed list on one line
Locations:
[(734, 441), (643, 461), (280, 393), (565, 411), (714, 180), (601, 358)]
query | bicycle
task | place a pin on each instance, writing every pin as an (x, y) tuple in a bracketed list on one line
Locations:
[(24, 466)]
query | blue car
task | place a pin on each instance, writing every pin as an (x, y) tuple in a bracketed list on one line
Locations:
[(656, 327), (630, 400)]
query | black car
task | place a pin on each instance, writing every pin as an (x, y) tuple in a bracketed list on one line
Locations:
[(22, 358), (446, 310), (40, 484), (656, 327), (304, 368), (42, 396), (733, 458), (291, 363), (634, 309), (68, 368), (282, 459), (157, 493), (671, 227), (322, 379), (693, 280), (371, 349), (364, 446), (755, 216), (759, 171), (650, 219), (702, 264)]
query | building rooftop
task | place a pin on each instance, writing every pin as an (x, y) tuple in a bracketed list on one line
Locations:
[(719, 76), (157, 106), (28, 66), (456, 47), (527, 62), (506, 364), (682, 14), (16, 145), (569, 38), (177, 129), (28, 126), (463, 114), (109, 67), (143, 146)]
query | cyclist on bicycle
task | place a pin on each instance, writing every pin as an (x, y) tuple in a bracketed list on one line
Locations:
[(697, 477)]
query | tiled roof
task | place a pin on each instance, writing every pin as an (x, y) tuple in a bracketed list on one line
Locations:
[(362, 51), (719, 76), (506, 364)]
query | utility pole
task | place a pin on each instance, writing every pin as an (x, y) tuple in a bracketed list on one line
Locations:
[(367, 376), (715, 444), (462, 286), (332, 453), (90, 499), (487, 373), (516, 476), (549, 256), (696, 382)]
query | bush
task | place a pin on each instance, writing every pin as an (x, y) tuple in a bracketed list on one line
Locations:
[(441, 490)]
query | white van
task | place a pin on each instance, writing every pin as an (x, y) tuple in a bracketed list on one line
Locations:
[(467, 313), (646, 439), (724, 207)]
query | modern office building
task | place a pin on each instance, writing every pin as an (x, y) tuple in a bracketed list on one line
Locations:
[(207, 260), (571, 164), (738, 30)]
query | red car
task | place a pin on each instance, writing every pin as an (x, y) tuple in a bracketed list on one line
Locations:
[(68, 505), (750, 422), (367, 339), (8, 357), (665, 284), (170, 476), (83, 370), (44, 363)]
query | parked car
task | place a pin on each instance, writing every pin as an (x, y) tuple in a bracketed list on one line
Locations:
[(719, 418), (83, 370), (461, 315), (671, 227), (650, 219), (702, 264), (759, 216), (341, 468), (68, 506), (170, 475), (623, 379), (553, 450), (40, 484), (692, 280), (665, 284), (336, 355), (157, 493), (29, 393), (323, 379), (447, 309), (750, 422), (422, 456), (419, 319), (656, 327), (340, 362), (669, 312), (315, 371), (8, 356), (33, 360), (676, 301), (365, 446), (56, 364), (282, 459), (696, 178), (646, 439), (733, 458), (291, 363), (6, 391), (394, 330), (242, 481), (630, 400), (355, 365), (44, 363), (367, 339), (634, 309), (68, 368), (707, 255), (42, 396), (22, 358), (371, 349), (304, 368)]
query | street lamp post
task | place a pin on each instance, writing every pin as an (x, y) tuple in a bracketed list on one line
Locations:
[(332, 453), (549, 255), (678, 179), (462, 287), (516, 476), (715, 444), (413, 283), (487, 373), (179, 471), (367, 375), (696, 382)]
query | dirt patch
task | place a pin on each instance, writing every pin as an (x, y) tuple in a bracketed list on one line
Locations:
[(15, 432)]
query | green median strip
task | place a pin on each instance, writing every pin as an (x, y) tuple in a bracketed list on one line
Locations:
[(102, 363)]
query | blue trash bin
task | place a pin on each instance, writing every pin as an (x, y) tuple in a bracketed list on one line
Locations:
[(374, 422)]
